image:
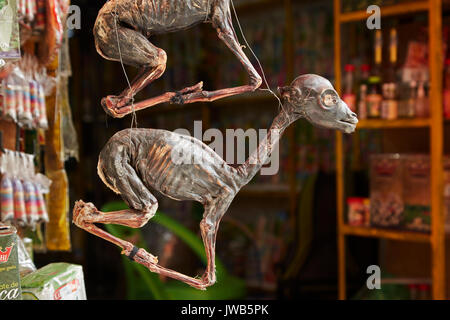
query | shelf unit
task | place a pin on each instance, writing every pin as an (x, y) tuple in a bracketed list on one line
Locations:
[(436, 238)]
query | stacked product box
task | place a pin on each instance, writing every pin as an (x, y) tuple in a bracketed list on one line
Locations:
[(386, 190), (416, 192), (400, 194), (56, 281)]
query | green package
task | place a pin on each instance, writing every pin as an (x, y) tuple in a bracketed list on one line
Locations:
[(56, 281), (9, 264)]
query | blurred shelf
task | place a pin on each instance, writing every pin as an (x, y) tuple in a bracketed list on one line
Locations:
[(371, 232), (392, 10), (267, 190), (398, 123), (258, 286)]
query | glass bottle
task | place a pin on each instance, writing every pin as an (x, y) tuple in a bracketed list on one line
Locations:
[(374, 97), (362, 103), (349, 95), (411, 103), (421, 101)]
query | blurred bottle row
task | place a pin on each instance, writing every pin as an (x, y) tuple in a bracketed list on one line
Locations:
[(390, 91)]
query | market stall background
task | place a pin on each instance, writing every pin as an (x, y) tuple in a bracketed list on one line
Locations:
[(279, 238)]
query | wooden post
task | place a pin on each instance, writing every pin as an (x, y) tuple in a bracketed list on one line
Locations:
[(436, 146), (339, 158)]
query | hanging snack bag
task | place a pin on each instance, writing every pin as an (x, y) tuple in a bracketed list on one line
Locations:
[(25, 117), (29, 190), (18, 95), (41, 205), (20, 213), (43, 122), (42, 186), (10, 100), (6, 192), (34, 102)]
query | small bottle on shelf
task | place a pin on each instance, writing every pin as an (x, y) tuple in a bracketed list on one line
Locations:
[(393, 102), (374, 97), (385, 102), (349, 95), (378, 54), (412, 98), (421, 101), (365, 74), (362, 103)]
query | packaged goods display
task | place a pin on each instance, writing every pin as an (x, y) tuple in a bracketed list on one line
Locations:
[(9, 264), (391, 90), (56, 281), (400, 193), (23, 94), (358, 211), (22, 191), (386, 190), (416, 192)]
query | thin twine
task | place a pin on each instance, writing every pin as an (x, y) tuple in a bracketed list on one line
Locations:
[(133, 117), (254, 55)]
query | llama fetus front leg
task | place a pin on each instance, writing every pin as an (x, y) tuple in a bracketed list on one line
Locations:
[(226, 33)]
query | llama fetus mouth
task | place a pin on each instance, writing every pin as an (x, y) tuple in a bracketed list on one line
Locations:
[(349, 123)]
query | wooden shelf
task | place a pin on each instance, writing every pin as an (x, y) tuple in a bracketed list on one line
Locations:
[(436, 238), (398, 123), (393, 10), (372, 232), (267, 190)]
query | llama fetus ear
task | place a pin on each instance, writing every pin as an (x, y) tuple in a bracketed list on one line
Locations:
[(290, 93)]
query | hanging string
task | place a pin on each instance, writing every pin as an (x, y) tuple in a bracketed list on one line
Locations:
[(254, 55), (133, 117)]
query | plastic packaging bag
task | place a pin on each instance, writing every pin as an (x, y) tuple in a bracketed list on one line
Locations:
[(31, 201), (6, 193), (10, 100), (26, 265), (20, 213)]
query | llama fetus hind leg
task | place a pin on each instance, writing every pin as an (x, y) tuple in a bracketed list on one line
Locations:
[(86, 214), (116, 41), (117, 173), (209, 227)]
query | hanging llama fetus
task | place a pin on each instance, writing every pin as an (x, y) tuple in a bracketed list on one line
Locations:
[(132, 162), (121, 33)]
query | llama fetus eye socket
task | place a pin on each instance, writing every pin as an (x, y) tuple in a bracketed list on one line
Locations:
[(329, 98)]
